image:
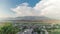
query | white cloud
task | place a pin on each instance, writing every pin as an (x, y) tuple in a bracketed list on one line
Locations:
[(49, 8), (24, 10)]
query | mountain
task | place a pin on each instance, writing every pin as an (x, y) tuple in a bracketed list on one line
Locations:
[(41, 19), (32, 18), (29, 18)]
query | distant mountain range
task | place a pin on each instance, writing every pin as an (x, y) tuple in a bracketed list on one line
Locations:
[(32, 19), (29, 18)]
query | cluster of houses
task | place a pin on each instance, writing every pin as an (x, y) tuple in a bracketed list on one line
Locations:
[(35, 28), (30, 31)]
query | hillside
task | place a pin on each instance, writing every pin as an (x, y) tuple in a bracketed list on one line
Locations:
[(30, 19)]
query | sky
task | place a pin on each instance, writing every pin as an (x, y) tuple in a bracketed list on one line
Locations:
[(6, 5), (18, 8)]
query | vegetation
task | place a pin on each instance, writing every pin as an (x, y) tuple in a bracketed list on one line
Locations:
[(11, 28), (8, 28)]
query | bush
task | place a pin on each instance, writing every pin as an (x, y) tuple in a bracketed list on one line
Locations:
[(8, 28)]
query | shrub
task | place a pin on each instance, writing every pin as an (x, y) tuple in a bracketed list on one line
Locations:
[(8, 28)]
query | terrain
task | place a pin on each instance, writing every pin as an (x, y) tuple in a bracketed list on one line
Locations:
[(30, 19)]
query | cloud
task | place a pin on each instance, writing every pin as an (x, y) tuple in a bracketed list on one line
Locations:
[(48, 8), (25, 10)]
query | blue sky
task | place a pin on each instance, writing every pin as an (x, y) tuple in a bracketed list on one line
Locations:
[(5, 5), (48, 8), (12, 3)]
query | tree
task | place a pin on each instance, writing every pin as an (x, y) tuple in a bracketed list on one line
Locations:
[(8, 28), (37, 30)]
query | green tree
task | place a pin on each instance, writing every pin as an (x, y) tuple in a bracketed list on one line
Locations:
[(37, 30), (8, 28)]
